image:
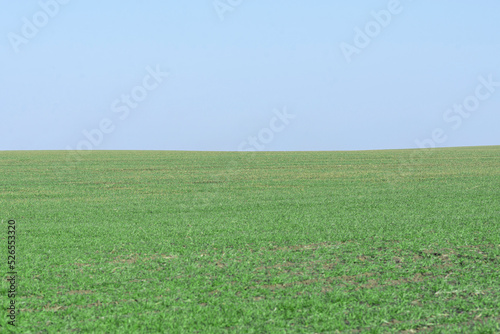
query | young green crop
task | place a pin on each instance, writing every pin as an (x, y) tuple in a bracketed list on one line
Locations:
[(268, 242)]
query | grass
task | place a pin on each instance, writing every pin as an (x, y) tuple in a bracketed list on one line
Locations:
[(270, 242)]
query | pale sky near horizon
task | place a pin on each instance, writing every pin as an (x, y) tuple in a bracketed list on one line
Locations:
[(264, 75)]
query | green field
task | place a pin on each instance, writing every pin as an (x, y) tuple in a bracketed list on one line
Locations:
[(269, 242)]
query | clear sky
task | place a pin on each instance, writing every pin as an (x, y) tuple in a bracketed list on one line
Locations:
[(242, 75)]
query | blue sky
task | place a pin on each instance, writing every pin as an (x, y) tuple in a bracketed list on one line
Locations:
[(249, 75)]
